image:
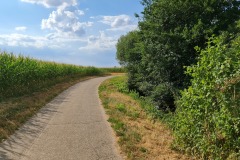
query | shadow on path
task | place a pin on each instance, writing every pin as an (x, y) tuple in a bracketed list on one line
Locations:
[(15, 145)]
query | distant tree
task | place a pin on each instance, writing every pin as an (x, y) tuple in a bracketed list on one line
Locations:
[(129, 54)]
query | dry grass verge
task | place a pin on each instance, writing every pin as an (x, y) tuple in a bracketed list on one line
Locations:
[(139, 136)]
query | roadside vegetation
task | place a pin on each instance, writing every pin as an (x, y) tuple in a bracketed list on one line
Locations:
[(207, 120), (136, 123), (185, 59), (26, 85)]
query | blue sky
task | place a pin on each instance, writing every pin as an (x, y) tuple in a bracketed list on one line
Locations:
[(81, 32)]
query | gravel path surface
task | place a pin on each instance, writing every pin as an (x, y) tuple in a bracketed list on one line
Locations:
[(71, 127)]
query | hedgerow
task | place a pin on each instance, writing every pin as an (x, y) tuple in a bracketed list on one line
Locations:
[(207, 120)]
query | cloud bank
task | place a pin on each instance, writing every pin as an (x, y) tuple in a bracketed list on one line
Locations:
[(66, 22)]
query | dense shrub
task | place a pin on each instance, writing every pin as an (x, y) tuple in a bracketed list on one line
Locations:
[(207, 120), (168, 32), (129, 53)]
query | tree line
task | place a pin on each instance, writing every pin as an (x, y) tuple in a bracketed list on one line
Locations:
[(185, 57)]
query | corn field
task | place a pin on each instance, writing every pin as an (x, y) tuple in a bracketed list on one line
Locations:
[(22, 75)]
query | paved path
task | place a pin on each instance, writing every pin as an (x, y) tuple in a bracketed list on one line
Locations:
[(72, 127)]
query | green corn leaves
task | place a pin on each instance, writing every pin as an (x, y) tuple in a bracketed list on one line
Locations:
[(22, 75)]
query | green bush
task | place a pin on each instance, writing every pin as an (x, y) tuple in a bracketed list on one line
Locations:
[(155, 54), (207, 121)]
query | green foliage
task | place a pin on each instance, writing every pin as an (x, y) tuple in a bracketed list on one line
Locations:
[(129, 48), (171, 30), (168, 32), (129, 53), (121, 108), (118, 126), (22, 75), (146, 103), (207, 120)]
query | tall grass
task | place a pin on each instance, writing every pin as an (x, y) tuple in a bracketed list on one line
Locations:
[(22, 75)]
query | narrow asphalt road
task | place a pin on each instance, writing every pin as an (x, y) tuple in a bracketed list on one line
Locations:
[(71, 127)]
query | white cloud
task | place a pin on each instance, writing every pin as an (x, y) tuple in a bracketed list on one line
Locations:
[(21, 28), (53, 3), (22, 40), (117, 21), (124, 29), (99, 43), (66, 22), (53, 41)]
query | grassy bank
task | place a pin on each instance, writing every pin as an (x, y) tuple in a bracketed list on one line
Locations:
[(140, 133)]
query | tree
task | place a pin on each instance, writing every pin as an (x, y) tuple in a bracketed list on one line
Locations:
[(129, 54), (170, 29)]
